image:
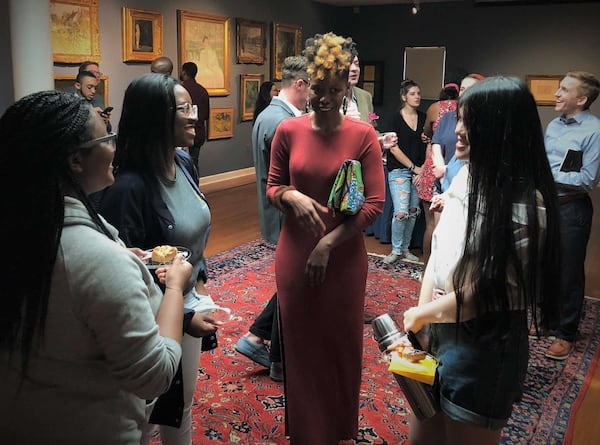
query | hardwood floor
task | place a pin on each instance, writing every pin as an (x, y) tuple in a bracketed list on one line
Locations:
[(235, 221)]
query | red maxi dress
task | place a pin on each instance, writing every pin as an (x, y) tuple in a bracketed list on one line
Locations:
[(323, 326)]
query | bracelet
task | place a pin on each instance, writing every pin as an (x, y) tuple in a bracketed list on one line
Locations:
[(412, 168)]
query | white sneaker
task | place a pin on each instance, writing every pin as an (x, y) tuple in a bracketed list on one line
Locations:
[(408, 256), (391, 258)]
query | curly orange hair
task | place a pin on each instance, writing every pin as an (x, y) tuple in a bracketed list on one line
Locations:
[(328, 55)]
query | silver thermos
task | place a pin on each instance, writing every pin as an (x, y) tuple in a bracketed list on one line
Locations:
[(419, 395)]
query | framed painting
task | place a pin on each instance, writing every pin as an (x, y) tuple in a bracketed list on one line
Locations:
[(371, 80), (74, 31), (67, 83), (249, 87), (204, 40), (287, 41), (251, 41), (543, 88), (142, 35), (220, 123)]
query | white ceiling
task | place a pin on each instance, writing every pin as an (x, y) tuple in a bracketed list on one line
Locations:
[(376, 2)]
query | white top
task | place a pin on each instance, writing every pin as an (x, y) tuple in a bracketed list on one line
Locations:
[(449, 237)]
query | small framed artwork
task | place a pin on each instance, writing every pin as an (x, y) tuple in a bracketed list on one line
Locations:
[(251, 41), (142, 35), (371, 80), (287, 41), (543, 87), (204, 40), (249, 86), (74, 30), (220, 123), (67, 83)]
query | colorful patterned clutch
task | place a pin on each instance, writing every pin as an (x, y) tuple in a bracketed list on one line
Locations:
[(347, 194)]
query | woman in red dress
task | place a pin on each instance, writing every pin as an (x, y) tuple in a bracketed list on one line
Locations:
[(425, 182), (321, 261)]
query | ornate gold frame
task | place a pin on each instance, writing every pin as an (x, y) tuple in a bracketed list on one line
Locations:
[(130, 52), (192, 30), (74, 30), (252, 36), (248, 95), (220, 123), (279, 52)]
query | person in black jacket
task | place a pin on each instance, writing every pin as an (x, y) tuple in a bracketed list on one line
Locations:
[(156, 200)]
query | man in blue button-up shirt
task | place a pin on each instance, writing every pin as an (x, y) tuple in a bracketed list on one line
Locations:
[(573, 150)]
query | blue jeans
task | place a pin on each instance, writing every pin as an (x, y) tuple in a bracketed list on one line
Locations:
[(575, 227), (406, 201)]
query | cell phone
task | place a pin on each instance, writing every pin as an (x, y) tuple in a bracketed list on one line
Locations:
[(107, 110)]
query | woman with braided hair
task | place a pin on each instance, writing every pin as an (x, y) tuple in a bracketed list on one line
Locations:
[(86, 336), (321, 262)]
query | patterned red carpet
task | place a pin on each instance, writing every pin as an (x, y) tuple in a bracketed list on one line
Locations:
[(237, 402)]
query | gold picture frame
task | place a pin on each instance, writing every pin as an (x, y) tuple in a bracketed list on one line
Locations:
[(543, 87), (64, 83), (204, 40), (220, 123), (142, 35), (251, 41), (74, 30), (249, 87), (287, 41)]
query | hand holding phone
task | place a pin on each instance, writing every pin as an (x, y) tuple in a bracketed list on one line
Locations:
[(106, 111)]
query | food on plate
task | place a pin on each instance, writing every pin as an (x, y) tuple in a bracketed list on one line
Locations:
[(164, 254), (414, 355), (409, 353)]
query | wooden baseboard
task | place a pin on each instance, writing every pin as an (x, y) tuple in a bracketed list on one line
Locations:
[(227, 180)]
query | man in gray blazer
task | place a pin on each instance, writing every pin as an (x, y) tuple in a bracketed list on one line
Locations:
[(290, 102)]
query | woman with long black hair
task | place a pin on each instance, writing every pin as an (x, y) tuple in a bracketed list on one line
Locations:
[(156, 200), (495, 255)]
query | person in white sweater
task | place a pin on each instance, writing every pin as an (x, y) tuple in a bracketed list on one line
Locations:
[(86, 337)]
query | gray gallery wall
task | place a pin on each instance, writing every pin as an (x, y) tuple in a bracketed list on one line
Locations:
[(515, 40), (219, 155)]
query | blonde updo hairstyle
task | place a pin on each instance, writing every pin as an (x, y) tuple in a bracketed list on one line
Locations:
[(328, 55)]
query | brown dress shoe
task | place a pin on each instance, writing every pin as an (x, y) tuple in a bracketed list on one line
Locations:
[(559, 349)]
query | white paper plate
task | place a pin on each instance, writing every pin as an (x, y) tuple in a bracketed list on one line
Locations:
[(184, 252)]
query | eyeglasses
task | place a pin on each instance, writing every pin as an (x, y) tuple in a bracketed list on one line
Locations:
[(110, 138), (189, 110), (306, 82)]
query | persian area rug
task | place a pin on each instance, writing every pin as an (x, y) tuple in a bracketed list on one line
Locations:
[(237, 402)]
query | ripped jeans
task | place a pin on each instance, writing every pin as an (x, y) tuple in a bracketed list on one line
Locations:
[(406, 200)]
